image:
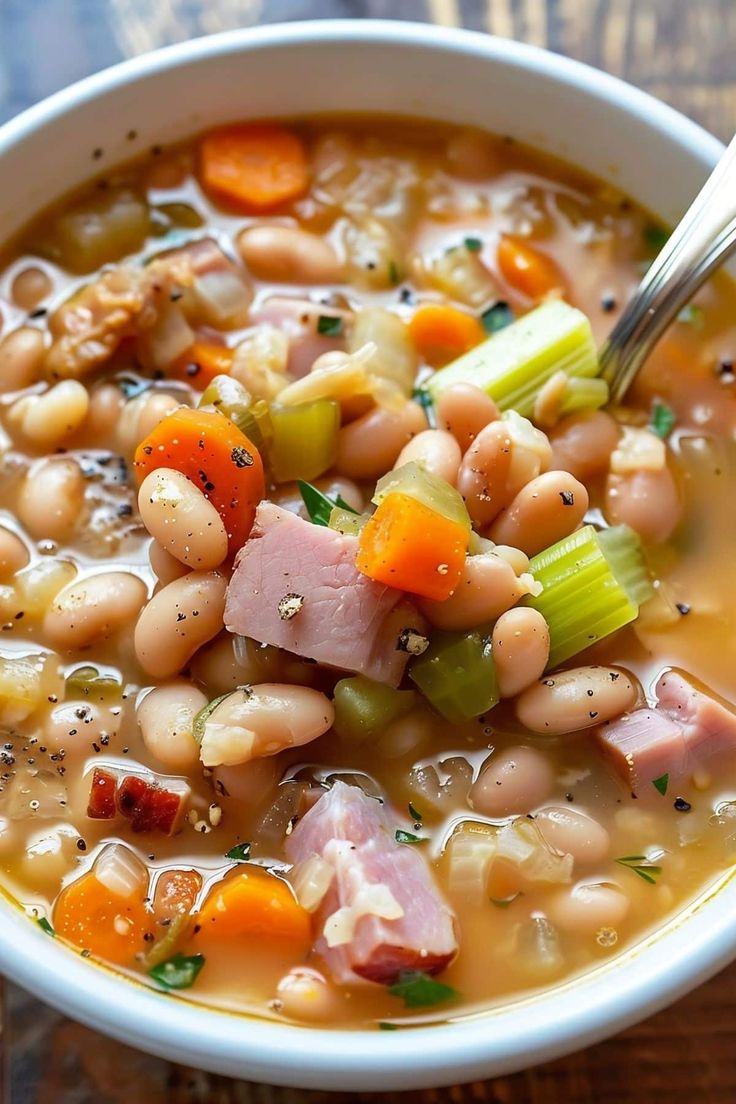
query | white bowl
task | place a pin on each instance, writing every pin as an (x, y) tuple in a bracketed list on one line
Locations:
[(590, 119)]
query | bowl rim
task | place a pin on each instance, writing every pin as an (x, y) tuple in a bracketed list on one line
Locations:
[(690, 949)]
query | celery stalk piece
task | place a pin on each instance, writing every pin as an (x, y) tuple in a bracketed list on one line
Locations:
[(363, 708), (457, 675), (592, 585), (436, 494), (513, 364), (584, 394), (252, 417), (304, 439), (346, 521)]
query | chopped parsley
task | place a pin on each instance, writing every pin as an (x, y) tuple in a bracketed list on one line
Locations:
[(330, 325), (660, 784), (419, 990), (655, 236), (408, 837), (473, 245), (423, 397), (640, 865), (45, 926), (239, 853), (319, 506), (663, 419), (497, 317), (178, 972), (415, 815)]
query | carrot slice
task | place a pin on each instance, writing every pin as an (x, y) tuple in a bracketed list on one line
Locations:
[(407, 545), (210, 450), (441, 333), (91, 916), (254, 903), (256, 166), (202, 362), (525, 268)]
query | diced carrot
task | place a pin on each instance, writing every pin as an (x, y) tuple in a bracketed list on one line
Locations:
[(441, 333), (525, 268), (101, 804), (256, 166), (210, 450), (202, 362), (176, 893), (91, 916), (255, 904), (407, 545)]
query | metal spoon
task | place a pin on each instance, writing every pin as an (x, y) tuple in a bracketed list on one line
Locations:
[(704, 239)]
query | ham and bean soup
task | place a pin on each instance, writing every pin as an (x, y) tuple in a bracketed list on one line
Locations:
[(360, 664)]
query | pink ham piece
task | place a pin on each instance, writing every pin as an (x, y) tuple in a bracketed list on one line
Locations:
[(686, 726), (344, 619), (415, 930)]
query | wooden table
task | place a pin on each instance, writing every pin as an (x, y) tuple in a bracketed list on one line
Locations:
[(682, 51)]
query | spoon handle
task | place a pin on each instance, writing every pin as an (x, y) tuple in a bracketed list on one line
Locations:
[(702, 241)]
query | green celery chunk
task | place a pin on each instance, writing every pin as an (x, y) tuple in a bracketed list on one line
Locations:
[(346, 522), (252, 417), (304, 439), (513, 364), (363, 708), (457, 675), (414, 480), (584, 394), (88, 682), (593, 584)]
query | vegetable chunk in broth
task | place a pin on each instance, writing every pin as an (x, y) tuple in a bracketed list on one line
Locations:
[(361, 664)]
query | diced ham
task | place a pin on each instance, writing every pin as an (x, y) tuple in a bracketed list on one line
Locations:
[(382, 912), (102, 793), (145, 802), (686, 726), (298, 319), (344, 619)]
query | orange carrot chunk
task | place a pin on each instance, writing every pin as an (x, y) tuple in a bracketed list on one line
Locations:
[(108, 925), (202, 362), (256, 167), (253, 903), (441, 333), (526, 269), (208, 449), (407, 545)]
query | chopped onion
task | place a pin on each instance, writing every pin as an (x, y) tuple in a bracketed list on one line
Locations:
[(538, 946), (169, 339), (121, 871), (521, 844), (311, 880), (222, 296), (472, 850)]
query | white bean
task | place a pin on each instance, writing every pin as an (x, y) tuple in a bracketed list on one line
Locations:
[(288, 254), (51, 498), (165, 718), (512, 782), (251, 782), (51, 418), (165, 567), (30, 286), (573, 833), (585, 908), (178, 620), (263, 720), (74, 726), (47, 856), (93, 608), (582, 697), (582, 443), (547, 509), (140, 416), (305, 994), (520, 649), (405, 735), (488, 587), (464, 410), (502, 459), (436, 450), (182, 520), (21, 359), (106, 404), (369, 446), (13, 553), (648, 501)]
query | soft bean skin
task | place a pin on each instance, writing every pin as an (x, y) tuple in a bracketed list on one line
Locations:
[(21, 359), (13, 553), (30, 286), (520, 649), (547, 509), (73, 726), (182, 520), (165, 718), (287, 254), (305, 994), (582, 697), (165, 567), (464, 410), (251, 782), (512, 782), (93, 608), (648, 501), (436, 450), (51, 499), (263, 720), (178, 620), (140, 416), (488, 587), (585, 908), (370, 445), (582, 443), (49, 419), (573, 833), (504, 457)]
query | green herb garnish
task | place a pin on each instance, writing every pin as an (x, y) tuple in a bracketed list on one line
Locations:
[(497, 317), (407, 837), (692, 315), (663, 420), (393, 273), (640, 865), (473, 245), (660, 784), (384, 1026), (415, 815), (239, 853), (418, 990), (319, 506), (330, 325), (422, 397), (45, 926), (201, 718), (179, 972), (655, 236)]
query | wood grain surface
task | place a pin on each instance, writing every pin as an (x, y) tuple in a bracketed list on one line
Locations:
[(683, 51)]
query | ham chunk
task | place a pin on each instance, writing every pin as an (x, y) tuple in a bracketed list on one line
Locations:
[(382, 912), (686, 726), (295, 586)]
